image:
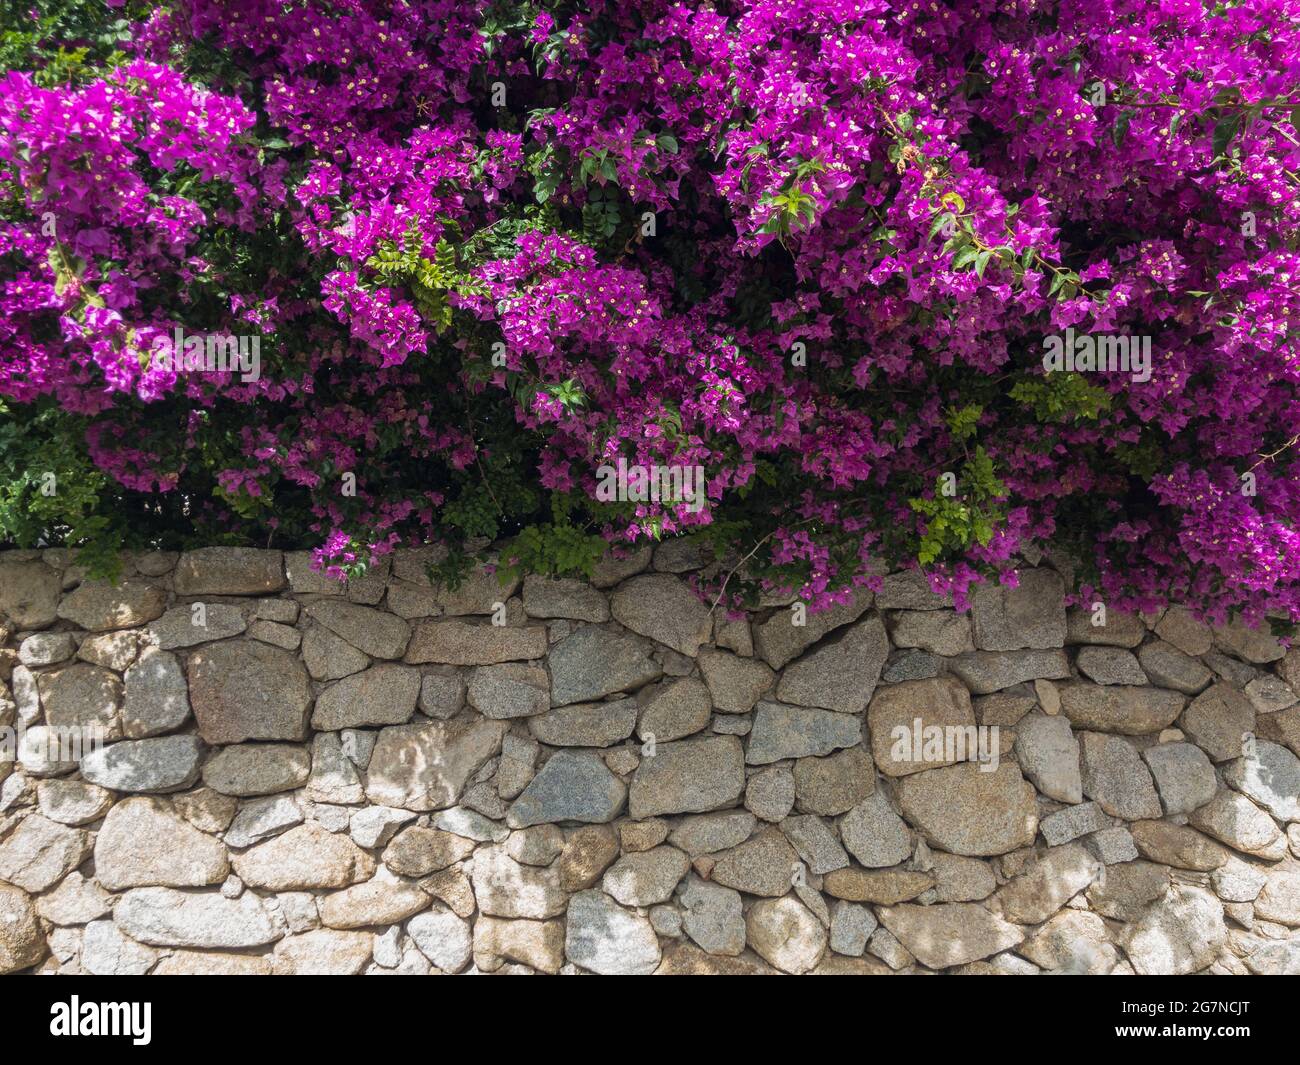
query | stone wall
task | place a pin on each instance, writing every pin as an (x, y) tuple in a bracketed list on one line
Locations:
[(301, 777)]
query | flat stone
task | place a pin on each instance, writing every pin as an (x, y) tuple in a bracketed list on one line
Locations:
[(939, 632), (851, 926), (713, 917), (1049, 756), (98, 606), (782, 731), (942, 703), (1169, 667), (608, 940), (874, 833), (1179, 934), (815, 843), (1117, 629), (1269, 694), (1269, 777), (505, 888), (1115, 777), (686, 959), (165, 917), (769, 794), (537, 944), (257, 769), (710, 833), (763, 865), (440, 696), (1110, 665), (910, 665), (418, 851), (735, 683), (949, 934), (664, 608), (1180, 627), (1177, 845), (510, 690), (571, 786), (910, 590), (373, 904), (984, 672), (615, 568), (157, 696), (586, 724), (1183, 775), (885, 887), (1129, 710), (371, 631), (205, 809), (22, 943), (229, 571), (1249, 644), (329, 657), (143, 843), (381, 695), (594, 662), (212, 963), (646, 877), (674, 709), (964, 810), (29, 595), (183, 626), (1279, 958), (1233, 819), (1073, 822), (82, 696), (76, 901), (1030, 615), (72, 802), (244, 690), (842, 673), (834, 784), (443, 937), (471, 824), (786, 934), (106, 952), (688, 776), (1047, 885), (374, 826), (542, 844), (39, 853), (1073, 942), (323, 952), (426, 766), (1218, 720), (958, 879), (563, 598), (1237, 881), (588, 852), (168, 763), (306, 858), (334, 776), (46, 649), (1126, 890), (261, 819), (112, 650), (409, 601), (779, 640), (1279, 900)]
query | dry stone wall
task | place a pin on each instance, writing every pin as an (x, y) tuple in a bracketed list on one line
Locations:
[(300, 777)]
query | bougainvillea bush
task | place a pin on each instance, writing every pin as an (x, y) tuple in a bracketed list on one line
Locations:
[(816, 248)]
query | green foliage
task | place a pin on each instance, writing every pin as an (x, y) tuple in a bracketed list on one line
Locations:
[(50, 492), (955, 523), (1061, 396), (428, 280), (554, 549)]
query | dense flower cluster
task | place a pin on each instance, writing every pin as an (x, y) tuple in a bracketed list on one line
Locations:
[(814, 248)]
